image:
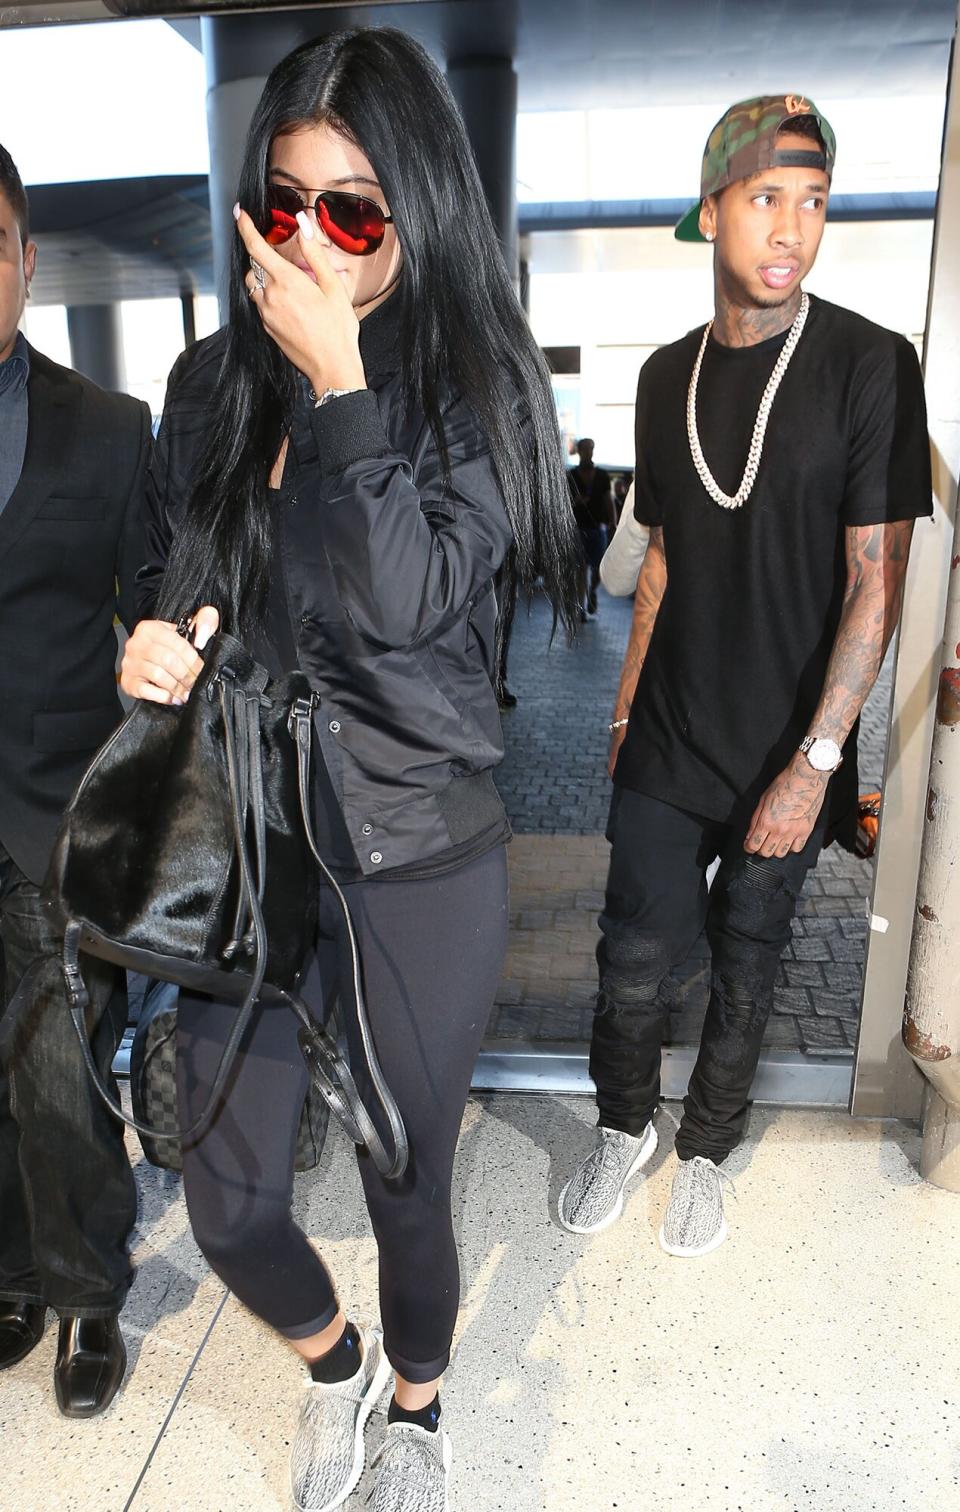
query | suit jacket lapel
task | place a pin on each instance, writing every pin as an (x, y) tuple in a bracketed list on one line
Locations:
[(53, 404)]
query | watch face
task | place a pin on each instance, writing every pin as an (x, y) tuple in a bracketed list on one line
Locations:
[(824, 755)]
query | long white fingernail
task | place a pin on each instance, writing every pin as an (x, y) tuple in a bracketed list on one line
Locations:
[(236, 211), (303, 221), (203, 635)]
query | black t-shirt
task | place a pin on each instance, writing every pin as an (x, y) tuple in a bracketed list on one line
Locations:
[(739, 652), (590, 492)]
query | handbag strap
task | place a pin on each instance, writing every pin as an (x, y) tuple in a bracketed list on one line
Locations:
[(246, 713), (319, 1054), (240, 939)]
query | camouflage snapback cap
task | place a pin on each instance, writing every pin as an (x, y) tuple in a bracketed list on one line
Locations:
[(744, 142)]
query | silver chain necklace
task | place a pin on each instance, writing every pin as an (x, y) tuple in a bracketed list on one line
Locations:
[(727, 501)]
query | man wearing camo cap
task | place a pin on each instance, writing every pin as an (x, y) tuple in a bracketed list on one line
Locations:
[(782, 458)]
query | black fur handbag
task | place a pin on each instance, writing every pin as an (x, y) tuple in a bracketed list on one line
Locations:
[(187, 853)]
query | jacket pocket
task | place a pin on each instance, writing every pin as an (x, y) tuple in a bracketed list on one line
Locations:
[(442, 682), (76, 730)]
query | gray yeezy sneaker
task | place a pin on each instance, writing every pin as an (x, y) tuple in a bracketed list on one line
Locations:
[(328, 1452), (414, 1467), (593, 1197), (694, 1223)]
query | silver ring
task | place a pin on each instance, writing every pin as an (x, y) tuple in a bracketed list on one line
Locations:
[(258, 273)]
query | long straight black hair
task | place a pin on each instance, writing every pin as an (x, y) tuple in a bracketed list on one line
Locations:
[(461, 328)]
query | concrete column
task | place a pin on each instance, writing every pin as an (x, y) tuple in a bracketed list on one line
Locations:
[(525, 286), (96, 344), (886, 1080), (239, 52), (188, 313), (931, 1020), (486, 91)]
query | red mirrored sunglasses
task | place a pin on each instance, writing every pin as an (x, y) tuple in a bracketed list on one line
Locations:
[(354, 224)]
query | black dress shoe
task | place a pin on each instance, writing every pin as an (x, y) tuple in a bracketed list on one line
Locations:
[(91, 1359), (21, 1329)]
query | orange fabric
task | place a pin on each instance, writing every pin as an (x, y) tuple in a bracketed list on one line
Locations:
[(868, 823)]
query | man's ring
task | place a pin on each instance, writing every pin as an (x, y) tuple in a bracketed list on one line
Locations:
[(258, 273)]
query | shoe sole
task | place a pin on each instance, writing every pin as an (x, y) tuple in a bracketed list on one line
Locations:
[(447, 1462), (648, 1148), (691, 1252), (374, 1392)]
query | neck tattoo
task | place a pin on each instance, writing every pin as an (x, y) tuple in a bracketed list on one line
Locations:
[(739, 325), (734, 501)]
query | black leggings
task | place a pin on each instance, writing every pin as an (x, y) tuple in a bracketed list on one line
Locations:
[(432, 955)]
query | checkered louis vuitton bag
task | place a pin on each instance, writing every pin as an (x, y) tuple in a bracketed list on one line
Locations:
[(153, 1092)]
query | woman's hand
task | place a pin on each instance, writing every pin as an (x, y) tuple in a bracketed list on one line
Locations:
[(159, 664), (314, 324)]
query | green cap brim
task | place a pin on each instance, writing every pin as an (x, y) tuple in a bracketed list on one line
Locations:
[(688, 229)]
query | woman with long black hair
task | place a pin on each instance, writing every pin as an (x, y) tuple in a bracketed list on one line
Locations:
[(341, 476)]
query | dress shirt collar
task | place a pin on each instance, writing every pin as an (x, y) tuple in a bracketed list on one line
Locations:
[(16, 370)]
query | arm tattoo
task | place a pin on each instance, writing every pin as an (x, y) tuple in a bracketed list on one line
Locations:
[(876, 563), (651, 586)]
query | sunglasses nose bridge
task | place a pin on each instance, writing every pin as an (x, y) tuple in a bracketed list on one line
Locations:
[(312, 212)]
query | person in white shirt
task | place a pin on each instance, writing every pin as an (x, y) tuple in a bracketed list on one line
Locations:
[(623, 558)]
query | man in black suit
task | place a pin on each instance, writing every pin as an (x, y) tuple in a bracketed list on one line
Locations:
[(72, 462)]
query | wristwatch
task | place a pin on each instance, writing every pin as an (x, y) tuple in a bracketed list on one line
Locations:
[(824, 755), (329, 394)]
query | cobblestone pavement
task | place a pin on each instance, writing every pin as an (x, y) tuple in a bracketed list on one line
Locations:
[(553, 780)]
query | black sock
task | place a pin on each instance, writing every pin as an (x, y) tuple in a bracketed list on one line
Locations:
[(342, 1361), (428, 1417)]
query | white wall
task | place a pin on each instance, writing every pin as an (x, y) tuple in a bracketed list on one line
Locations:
[(883, 146), (619, 294), (102, 101), (152, 339)]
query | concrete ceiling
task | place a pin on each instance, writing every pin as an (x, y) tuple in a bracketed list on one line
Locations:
[(133, 238), (121, 239), (574, 54), (621, 52)]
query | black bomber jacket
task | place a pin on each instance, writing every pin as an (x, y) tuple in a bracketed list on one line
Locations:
[(389, 586)]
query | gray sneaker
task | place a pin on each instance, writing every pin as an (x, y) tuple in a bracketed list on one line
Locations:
[(593, 1197), (414, 1469), (694, 1223), (328, 1452)]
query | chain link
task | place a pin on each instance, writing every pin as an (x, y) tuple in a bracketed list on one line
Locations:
[(734, 501)]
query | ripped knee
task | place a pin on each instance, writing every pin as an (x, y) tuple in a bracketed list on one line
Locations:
[(755, 905), (740, 1005), (632, 968), (744, 993)]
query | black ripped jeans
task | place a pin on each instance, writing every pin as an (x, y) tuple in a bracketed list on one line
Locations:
[(657, 903)]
